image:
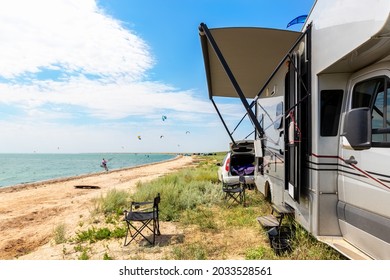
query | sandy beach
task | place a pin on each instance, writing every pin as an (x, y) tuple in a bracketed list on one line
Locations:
[(30, 213)]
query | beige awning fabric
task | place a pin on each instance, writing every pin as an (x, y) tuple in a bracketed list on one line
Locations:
[(252, 54)]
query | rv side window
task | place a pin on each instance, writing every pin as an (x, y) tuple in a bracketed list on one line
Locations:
[(331, 101), (279, 116), (375, 93)]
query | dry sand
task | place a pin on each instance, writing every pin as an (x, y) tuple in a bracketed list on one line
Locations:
[(29, 214)]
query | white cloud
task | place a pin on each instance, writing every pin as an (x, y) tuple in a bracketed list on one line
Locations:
[(104, 100), (101, 73), (71, 35), (78, 39)]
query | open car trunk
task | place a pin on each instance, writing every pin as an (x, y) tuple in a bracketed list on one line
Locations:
[(242, 164), (242, 158)]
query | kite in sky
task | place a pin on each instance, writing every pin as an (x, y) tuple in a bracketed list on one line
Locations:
[(164, 118), (139, 137), (300, 19)]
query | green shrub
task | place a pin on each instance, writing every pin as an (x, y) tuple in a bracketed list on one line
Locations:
[(93, 235), (86, 235), (102, 233), (113, 202), (118, 232)]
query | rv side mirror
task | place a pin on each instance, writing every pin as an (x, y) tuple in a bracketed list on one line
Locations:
[(357, 128)]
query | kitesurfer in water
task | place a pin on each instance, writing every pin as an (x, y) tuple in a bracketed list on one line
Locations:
[(104, 164)]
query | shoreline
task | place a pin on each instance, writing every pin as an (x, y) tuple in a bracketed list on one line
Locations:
[(30, 213), (13, 188)]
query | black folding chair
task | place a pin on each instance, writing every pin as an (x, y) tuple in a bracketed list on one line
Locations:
[(235, 193), (143, 216)]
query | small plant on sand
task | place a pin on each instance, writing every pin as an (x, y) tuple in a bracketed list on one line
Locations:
[(106, 257), (103, 233), (83, 250), (86, 235), (59, 234), (64, 251), (78, 248), (84, 255), (93, 235)]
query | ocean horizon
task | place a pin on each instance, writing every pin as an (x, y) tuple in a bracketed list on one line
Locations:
[(24, 168)]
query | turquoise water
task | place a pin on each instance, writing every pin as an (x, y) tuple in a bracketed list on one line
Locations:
[(27, 168)]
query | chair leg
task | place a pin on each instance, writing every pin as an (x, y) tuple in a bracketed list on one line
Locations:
[(138, 231), (127, 234), (157, 227), (243, 197)]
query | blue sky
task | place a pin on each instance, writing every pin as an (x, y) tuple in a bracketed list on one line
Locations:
[(92, 76)]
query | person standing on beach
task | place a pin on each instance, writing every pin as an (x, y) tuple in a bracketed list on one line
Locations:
[(104, 164)]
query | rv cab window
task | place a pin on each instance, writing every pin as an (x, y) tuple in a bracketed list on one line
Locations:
[(375, 94)]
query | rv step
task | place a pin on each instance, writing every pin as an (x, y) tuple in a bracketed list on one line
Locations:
[(268, 221), (282, 209)]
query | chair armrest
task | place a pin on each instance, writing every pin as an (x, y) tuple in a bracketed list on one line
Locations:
[(136, 204)]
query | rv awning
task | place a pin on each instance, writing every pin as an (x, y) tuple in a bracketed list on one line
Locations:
[(252, 55)]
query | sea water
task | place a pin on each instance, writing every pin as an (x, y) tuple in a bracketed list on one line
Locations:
[(28, 168)]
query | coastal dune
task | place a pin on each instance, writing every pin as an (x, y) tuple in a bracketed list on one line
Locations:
[(29, 213)]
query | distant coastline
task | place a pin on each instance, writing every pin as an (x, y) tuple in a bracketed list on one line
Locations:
[(23, 170), (70, 178)]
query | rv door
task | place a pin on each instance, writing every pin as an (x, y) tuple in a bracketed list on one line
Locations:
[(297, 123), (364, 182)]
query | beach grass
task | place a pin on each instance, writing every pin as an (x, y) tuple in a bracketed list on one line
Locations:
[(192, 200), (112, 203), (59, 234)]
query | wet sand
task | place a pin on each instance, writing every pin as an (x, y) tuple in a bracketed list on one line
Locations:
[(30, 213)]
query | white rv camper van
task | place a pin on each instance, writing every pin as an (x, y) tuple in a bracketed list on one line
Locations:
[(319, 101)]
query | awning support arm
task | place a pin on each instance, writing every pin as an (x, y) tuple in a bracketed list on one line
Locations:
[(239, 122), (204, 29), (223, 122)]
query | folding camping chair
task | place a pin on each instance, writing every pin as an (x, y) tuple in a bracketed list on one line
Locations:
[(143, 216), (235, 193)]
